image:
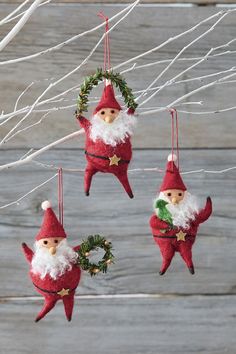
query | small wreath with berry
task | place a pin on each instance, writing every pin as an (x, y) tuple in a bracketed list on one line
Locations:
[(93, 243)]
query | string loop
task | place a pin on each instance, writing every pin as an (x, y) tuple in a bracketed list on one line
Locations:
[(174, 135), (60, 195), (107, 55)]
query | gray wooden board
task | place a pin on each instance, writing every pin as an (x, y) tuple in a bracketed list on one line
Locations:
[(122, 326), (145, 28), (125, 222)]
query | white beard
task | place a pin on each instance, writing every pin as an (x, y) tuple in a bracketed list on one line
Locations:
[(184, 212), (44, 263), (115, 132)]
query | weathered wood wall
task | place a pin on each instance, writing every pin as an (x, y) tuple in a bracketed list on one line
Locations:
[(181, 313)]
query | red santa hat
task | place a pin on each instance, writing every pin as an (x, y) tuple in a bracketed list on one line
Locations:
[(172, 178), (50, 227), (108, 99)]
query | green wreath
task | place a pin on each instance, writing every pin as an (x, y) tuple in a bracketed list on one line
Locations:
[(93, 243), (93, 80)]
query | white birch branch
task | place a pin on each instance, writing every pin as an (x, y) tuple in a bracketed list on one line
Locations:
[(22, 13), (16, 29), (30, 157), (178, 55), (70, 40), (201, 88), (5, 19), (28, 193), (68, 74)]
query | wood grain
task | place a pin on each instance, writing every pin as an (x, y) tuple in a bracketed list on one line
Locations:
[(167, 325)]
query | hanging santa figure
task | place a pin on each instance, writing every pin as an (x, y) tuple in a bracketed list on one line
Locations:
[(108, 146), (53, 265), (177, 217)]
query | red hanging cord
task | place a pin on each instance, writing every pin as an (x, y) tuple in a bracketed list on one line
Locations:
[(174, 135), (60, 195), (107, 55)]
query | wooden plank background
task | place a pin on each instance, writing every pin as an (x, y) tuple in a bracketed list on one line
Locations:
[(178, 313)]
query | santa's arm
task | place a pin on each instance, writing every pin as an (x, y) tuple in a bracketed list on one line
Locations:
[(206, 212), (84, 122), (131, 111), (157, 223), (76, 248), (27, 252)]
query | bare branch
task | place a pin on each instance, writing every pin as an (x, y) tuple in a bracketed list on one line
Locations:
[(16, 29)]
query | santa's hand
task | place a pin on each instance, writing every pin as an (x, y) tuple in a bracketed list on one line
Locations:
[(27, 252), (205, 213)]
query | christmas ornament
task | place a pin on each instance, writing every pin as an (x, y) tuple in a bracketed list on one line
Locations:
[(108, 146), (55, 267), (177, 213)]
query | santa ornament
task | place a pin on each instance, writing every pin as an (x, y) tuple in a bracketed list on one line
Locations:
[(108, 146), (177, 214), (55, 267)]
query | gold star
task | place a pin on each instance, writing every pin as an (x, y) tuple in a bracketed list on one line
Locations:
[(114, 160), (181, 236), (63, 292)]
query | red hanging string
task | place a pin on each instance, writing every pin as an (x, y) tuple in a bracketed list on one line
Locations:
[(107, 55), (60, 195), (174, 135)]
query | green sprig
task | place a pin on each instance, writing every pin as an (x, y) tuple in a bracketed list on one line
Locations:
[(93, 80), (94, 243)]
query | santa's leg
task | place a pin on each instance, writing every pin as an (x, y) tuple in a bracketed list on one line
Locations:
[(123, 178), (185, 249), (88, 175), (167, 252), (68, 302), (49, 303)]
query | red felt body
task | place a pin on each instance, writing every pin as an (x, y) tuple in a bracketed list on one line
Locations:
[(99, 148), (168, 246), (69, 280)]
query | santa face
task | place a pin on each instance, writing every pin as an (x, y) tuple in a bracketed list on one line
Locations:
[(116, 131), (54, 264), (174, 196), (182, 212), (108, 115), (51, 243)]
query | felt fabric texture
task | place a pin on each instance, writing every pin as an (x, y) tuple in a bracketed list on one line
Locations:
[(107, 100), (50, 227), (168, 246), (69, 280), (172, 178), (99, 148)]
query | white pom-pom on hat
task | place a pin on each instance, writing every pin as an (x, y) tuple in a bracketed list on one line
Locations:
[(46, 205), (172, 158)]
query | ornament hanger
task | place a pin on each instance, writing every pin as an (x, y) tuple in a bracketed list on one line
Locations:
[(60, 195), (107, 54), (174, 135)]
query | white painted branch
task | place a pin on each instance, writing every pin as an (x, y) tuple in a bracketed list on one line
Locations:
[(28, 193), (22, 13), (155, 169), (171, 39), (177, 56), (16, 29), (30, 157), (5, 19), (201, 88), (70, 40), (68, 74), (29, 126), (165, 61), (209, 112)]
